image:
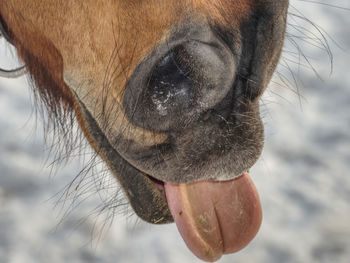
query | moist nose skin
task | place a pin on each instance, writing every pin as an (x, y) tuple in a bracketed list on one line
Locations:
[(171, 83), (180, 81)]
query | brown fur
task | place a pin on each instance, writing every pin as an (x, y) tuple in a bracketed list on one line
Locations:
[(42, 49)]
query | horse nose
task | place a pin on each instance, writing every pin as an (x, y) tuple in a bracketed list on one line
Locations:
[(192, 76)]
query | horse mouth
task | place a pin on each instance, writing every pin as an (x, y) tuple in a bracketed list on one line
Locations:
[(158, 184), (213, 217)]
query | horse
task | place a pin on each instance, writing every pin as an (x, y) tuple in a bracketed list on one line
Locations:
[(167, 94)]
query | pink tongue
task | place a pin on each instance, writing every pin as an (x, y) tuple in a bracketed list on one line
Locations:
[(215, 218)]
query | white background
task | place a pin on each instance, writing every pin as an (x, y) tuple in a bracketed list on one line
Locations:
[(302, 177)]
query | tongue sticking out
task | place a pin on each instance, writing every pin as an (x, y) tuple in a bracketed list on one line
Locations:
[(215, 218)]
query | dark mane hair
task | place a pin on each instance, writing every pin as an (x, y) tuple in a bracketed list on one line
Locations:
[(47, 78), (45, 67)]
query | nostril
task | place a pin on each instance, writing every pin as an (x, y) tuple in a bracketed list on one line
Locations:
[(170, 85), (179, 82)]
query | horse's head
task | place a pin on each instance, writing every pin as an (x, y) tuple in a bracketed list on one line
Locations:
[(167, 93)]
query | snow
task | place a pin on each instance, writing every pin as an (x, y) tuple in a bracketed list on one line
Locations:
[(301, 177)]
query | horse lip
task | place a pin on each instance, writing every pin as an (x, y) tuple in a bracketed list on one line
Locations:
[(148, 202), (158, 184)]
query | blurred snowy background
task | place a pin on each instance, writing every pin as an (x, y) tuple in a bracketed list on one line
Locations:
[(302, 176)]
